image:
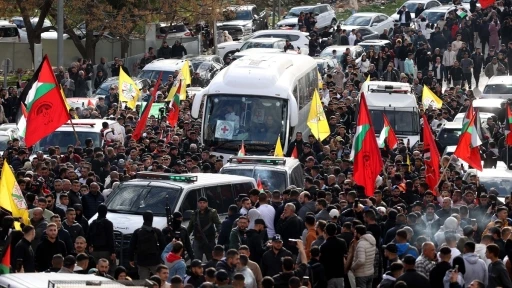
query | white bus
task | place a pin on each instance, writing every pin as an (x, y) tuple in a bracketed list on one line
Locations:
[(254, 100)]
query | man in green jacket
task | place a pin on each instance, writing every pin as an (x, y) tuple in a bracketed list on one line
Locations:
[(203, 225)]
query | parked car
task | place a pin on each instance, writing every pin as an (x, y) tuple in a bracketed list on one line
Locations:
[(411, 6), (372, 20), (297, 38), (264, 43), (324, 15), (178, 30), (375, 44), (498, 87), (433, 15), (207, 66), (243, 20), (102, 91), (325, 65), (355, 51)]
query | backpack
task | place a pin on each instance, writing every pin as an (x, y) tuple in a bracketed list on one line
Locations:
[(407, 251), (147, 242), (97, 231)]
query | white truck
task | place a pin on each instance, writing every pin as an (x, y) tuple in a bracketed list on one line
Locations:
[(397, 101)]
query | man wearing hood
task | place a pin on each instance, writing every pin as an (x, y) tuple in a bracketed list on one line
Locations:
[(446, 209), (255, 240), (179, 232), (389, 278), (173, 260), (80, 218), (476, 269), (101, 237), (450, 225), (146, 244), (364, 256)]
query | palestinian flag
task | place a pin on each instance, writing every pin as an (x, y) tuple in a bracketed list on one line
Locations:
[(145, 112), (387, 135), (365, 151), (241, 153), (431, 156), (468, 148), (5, 266), (174, 112), (46, 109), (295, 153), (509, 125), (22, 123)]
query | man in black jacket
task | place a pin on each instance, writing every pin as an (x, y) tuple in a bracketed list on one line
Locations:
[(331, 251), (411, 277), (290, 226), (271, 262), (72, 226), (404, 17), (478, 62), (49, 246), (178, 50), (24, 251), (101, 238), (147, 244), (164, 51), (281, 279), (255, 240), (178, 232), (297, 143)]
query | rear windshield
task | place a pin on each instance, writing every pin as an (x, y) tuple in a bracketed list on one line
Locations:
[(498, 89), (8, 32)]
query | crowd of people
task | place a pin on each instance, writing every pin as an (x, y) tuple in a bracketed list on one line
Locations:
[(328, 233)]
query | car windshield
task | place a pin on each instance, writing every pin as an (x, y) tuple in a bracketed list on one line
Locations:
[(448, 137), (237, 14), (251, 44), (9, 32), (356, 20), (367, 47), (295, 12), (4, 139), (135, 199), (256, 120), (403, 122), (502, 185), (411, 6), (276, 179), (65, 138), (328, 53), (498, 89), (153, 74), (432, 16), (103, 89)]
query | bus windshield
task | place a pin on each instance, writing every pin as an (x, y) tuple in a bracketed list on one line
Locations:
[(403, 122), (256, 120)]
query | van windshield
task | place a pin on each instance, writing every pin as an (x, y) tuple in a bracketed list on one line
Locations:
[(65, 138), (497, 89), (403, 122), (276, 179), (136, 199)]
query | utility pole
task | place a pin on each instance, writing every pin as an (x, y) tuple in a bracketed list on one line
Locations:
[(60, 33)]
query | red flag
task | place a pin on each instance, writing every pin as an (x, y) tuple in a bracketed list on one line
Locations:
[(509, 122), (468, 148), (174, 112), (242, 149), (145, 113), (89, 103), (486, 3), (430, 150), (46, 108), (258, 184), (295, 153), (365, 151)]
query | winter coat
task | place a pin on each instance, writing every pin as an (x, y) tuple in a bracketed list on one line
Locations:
[(364, 256), (176, 265), (476, 269), (450, 224), (494, 38), (388, 281)]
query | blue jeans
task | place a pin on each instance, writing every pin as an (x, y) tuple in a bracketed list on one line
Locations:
[(364, 282)]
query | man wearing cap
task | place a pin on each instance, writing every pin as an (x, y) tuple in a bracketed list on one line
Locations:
[(196, 277), (271, 261), (203, 225), (395, 270), (390, 252)]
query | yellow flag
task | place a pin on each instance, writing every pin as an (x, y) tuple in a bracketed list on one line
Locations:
[(66, 101), (429, 98), (408, 163), (180, 83), (128, 91), (320, 81), (278, 152), (11, 198), (316, 118)]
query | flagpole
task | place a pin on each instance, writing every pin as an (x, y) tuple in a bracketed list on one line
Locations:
[(74, 130)]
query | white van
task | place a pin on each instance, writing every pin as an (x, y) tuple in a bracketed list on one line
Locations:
[(179, 192), (498, 87), (165, 66), (45, 280), (85, 128), (278, 172), (9, 32)]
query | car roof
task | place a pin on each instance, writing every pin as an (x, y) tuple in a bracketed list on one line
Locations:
[(452, 125), (36, 280), (201, 58), (443, 8), (418, 1), (165, 64), (368, 14), (491, 173), (202, 180), (304, 7), (289, 163), (500, 80), (283, 31), (83, 125), (115, 79), (374, 41), (265, 40), (491, 102)]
